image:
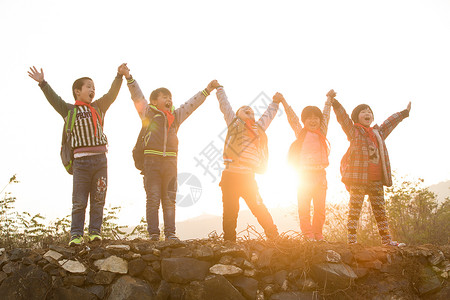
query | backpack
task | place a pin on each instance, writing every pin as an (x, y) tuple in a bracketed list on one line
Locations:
[(138, 149), (66, 142), (232, 147)]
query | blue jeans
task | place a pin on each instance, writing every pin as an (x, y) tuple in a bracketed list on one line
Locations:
[(160, 182), (90, 180)]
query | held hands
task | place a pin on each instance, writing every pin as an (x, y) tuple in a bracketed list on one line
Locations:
[(278, 98), (212, 86), (331, 94), (123, 70), (36, 75)]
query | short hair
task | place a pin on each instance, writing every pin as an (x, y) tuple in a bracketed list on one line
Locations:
[(78, 84), (310, 111), (154, 95), (357, 110)]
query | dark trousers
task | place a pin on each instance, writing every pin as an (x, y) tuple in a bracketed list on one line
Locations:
[(234, 186), (160, 182), (90, 181)]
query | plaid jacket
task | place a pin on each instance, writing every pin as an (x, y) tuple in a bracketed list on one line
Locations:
[(355, 162)]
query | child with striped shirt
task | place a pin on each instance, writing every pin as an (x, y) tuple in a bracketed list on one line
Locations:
[(90, 146)]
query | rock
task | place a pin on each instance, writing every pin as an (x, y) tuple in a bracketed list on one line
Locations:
[(181, 252), (280, 277), (249, 273), (364, 255), (306, 284), (142, 248), (436, 258), (124, 248), (97, 290), (72, 266), (150, 275), (203, 252), (72, 293), (76, 280), (103, 277), (2, 250), (232, 250), (183, 270), (226, 260), (52, 256), (333, 275), (10, 267), (333, 256), (112, 264), (245, 285), (265, 258), (216, 287), (2, 276), (67, 252), (293, 296), (150, 257), (225, 270), (156, 265), (127, 287), (375, 264), (136, 266), (429, 282), (18, 253), (27, 283), (163, 292), (361, 272)]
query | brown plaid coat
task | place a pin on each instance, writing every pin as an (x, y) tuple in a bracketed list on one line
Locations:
[(355, 162)]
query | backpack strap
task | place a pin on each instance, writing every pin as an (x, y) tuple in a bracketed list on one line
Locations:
[(70, 121)]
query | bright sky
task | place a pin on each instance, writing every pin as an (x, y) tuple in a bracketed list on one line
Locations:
[(383, 53)]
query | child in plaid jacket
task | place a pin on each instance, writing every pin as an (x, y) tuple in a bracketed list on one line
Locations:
[(365, 167)]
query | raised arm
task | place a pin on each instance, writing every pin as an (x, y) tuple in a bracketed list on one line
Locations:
[(269, 114), (392, 122), (140, 103), (326, 112), (56, 101), (225, 106), (343, 118), (106, 100), (187, 108), (291, 116)]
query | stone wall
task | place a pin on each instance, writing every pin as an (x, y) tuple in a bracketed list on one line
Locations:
[(211, 269)]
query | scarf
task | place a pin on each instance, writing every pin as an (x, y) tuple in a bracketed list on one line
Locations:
[(94, 113), (370, 133), (323, 140), (170, 117)]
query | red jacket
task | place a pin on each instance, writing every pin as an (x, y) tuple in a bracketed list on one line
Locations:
[(355, 162)]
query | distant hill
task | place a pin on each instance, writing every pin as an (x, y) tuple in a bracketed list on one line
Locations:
[(442, 190), (200, 227)]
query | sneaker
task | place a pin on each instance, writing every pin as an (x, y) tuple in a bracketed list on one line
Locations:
[(172, 237), (76, 240), (154, 237), (394, 244), (94, 236)]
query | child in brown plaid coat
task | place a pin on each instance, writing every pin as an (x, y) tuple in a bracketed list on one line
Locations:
[(365, 167)]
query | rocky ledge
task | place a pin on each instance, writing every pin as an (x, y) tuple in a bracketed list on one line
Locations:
[(212, 269)]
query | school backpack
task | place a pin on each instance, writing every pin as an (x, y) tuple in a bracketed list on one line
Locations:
[(233, 146), (66, 143), (138, 149)]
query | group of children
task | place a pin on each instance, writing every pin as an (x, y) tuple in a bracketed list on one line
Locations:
[(365, 167)]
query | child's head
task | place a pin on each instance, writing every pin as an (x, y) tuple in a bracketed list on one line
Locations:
[(245, 113), (161, 98), (363, 115), (311, 117), (83, 89)]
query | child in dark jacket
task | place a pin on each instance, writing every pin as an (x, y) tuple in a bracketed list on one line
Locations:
[(90, 146), (160, 151), (309, 154), (244, 154), (365, 167)]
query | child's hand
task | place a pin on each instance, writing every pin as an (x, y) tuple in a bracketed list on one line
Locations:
[(38, 76), (212, 86), (409, 106), (123, 70), (331, 94), (278, 97)]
